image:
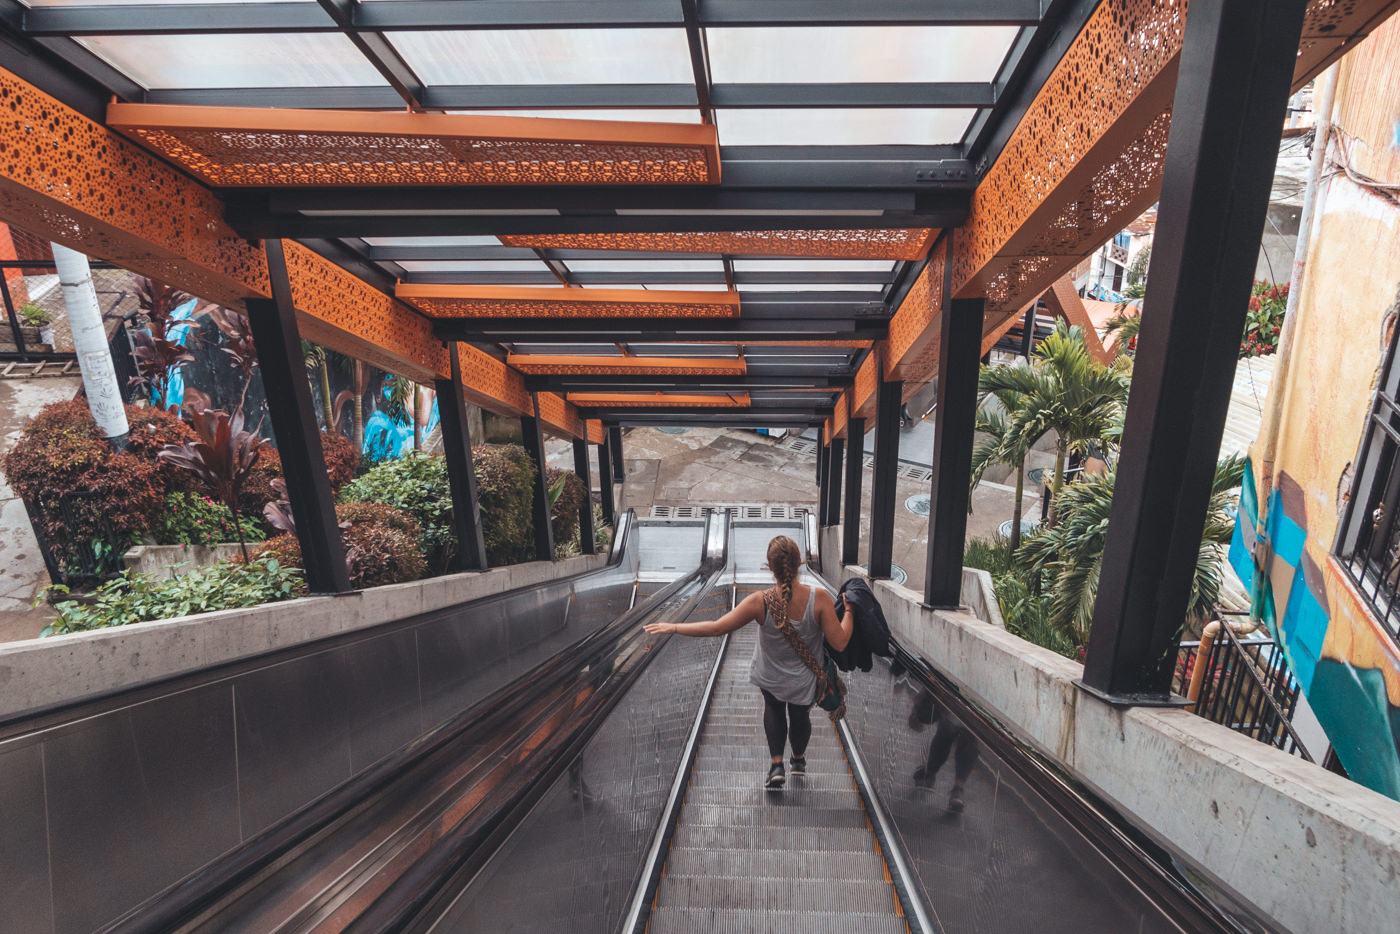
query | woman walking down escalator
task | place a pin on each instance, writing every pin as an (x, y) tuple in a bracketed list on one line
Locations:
[(787, 682)]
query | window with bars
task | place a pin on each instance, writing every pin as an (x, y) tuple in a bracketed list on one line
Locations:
[(1368, 543)]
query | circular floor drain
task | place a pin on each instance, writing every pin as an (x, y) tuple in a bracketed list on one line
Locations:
[(897, 574), (918, 504), (673, 431), (1027, 527)]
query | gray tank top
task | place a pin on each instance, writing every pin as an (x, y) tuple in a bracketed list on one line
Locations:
[(776, 667)]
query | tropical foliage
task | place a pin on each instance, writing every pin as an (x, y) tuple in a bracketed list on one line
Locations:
[(1064, 390), (135, 598), (222, 456), (417, 484), (1263, 321), (192, 519)]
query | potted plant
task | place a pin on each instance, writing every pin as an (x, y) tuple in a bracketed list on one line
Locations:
[(34, 316)]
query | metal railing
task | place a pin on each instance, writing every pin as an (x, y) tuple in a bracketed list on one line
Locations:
[(1245, 685), (76, 540)]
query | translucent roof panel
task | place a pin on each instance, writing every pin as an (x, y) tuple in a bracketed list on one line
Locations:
[(642, 267), (814, 287), (813, 265), (835, 54), (626, 116), (432, 241), (144, 2), (466, 265), (842, 127), (237, 60), (547, 56)]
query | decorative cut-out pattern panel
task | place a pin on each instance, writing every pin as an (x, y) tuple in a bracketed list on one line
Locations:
[(465, 301), (596, 433), (232, 147), (836, 424), (623, 366), (344, 312), (866, 384), (489, 383), (557, 413), (658, 400), (914, 328), (838, 244)]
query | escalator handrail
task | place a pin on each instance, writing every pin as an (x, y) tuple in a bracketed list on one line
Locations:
[(409, 899), (55, 715), (196, 892)]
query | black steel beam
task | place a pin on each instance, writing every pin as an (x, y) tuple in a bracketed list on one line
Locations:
[(606, 412), (882, 488), (461, 473), (1236, 68), (823, 476), (273, 322), (960, 341), (587, 543), (834, 489), (738, 383), (716, 421), (642, 275), (874, 12), (532, 435), (176, 19), (605, 483), (958, 94), (615, 443), (855, 477), (378, 51)]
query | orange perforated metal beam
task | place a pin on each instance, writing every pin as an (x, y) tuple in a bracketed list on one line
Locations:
[(1087, 156), (912, 345), (909, 243), (492, 301), (623, 400), (864, 392), (1065, 302), (541, 365), (230, 147)]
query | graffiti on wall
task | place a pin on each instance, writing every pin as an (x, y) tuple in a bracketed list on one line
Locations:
[(1347, 665)]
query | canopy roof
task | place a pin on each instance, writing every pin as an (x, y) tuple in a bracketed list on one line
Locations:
[(646, 186)]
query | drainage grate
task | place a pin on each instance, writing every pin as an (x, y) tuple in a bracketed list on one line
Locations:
[(801, 445), (919, 504), (673, 430), (914, 472)]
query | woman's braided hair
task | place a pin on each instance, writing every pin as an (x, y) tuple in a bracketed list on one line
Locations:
[(784, 560)]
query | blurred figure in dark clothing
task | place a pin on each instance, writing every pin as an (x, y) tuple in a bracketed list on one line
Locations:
[(950, 736)]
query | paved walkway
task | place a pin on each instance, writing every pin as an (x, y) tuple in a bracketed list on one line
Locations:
[(22, 571)]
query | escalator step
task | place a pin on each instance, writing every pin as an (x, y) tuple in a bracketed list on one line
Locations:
[(795, 864), (748, 794), (693, 836), (773, 892), (737, 921), (767, 816)]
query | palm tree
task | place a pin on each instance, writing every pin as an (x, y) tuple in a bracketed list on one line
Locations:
[(995, 414), (1064, 390), (1069, 555), (314, 357)]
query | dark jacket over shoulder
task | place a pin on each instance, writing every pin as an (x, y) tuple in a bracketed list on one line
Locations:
[(872, 633)]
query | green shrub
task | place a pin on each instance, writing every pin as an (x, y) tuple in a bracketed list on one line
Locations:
[(381, 545), (1025, 610), (60, 452), (504, 477), (135, 598), (191, 519), (416, 484), (568, 494)]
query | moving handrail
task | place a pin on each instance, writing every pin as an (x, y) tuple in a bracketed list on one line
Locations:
[(192, 899)]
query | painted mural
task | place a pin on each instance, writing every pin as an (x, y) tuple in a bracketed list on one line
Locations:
[(1346, 665)]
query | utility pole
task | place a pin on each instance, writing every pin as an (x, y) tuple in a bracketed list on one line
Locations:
[(104, 396)]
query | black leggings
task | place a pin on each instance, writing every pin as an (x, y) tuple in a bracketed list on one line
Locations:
[(776, 717)]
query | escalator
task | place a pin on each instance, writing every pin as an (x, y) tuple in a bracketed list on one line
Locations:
[(597, 779)]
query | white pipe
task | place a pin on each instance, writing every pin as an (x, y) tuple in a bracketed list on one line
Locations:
[(104, 396), (1322, 130)]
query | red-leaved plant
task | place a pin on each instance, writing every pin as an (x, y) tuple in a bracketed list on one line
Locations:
[(222, 455)]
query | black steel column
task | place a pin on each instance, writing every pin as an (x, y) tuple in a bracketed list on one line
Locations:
[(532, 434), (833, 481), (605, 483), (1236, 67), (274, 326), (882, 487), (855, 477), (461, 471), (585, 512), (960, 340), (823, 454), (1027, 331), (619, 469)]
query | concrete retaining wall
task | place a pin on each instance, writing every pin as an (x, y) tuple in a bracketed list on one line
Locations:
[(1308, 848), (46, 672), (174, 560)]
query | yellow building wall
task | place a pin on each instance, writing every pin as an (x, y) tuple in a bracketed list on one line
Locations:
[(1348, 664)]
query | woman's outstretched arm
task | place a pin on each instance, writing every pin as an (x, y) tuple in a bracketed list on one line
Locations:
[(837, 631), (749, 610)]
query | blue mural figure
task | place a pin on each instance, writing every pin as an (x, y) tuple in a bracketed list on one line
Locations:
[(178, 331), (387, 438)]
